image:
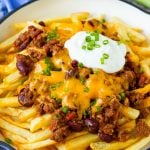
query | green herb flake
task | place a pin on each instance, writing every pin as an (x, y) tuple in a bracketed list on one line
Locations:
[(82, 80), (84, 47), (57, 116), (86, 89), (56, 85), (98, 108), (53, 95), (52, 35), (85, 113), (88, 39), (58, 100), (7, 140), (105, 56), (122, 95), (93, 102), (105, 42), (80, 64), (65, 109), (102, 60)]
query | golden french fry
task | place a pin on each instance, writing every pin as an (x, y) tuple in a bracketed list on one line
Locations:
[(81, 142), (40, 122), (14, 112), (140, 144), (27, 114), (130, 112), (40, 135), (14, 137), (14, 129), (12, 78), (37, 145), (9, 102), (144, 103), (129, 126), (15, 122), (145, 65), (113, 145)]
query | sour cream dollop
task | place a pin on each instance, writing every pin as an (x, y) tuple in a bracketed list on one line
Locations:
[(115, 52)]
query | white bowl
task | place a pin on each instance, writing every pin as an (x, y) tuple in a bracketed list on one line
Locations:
[(44, 9)]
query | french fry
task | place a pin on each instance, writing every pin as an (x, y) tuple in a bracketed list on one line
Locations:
[(130, 112), (14, 137), (113, 145), (27, 114), (140, 144), (12, 78), (40, 135), (15, 122), (145, 65), (40, 122), (37, 145), (9, 102), (14, 112), (129, 126), (81, 142), (14, 129)]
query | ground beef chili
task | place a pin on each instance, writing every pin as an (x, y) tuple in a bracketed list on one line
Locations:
[(52, 47), (24, 64), (59, 127), (26, 97), (142, 128), (25, 38)]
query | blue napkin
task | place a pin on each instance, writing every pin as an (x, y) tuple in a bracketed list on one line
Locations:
[(7, 6)]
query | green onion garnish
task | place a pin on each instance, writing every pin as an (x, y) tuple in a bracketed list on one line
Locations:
[(82, 80), (65, 109), (122, 95), (80, 64), (105, 56), (98, 108), (58, 100), (93, 102), (84, 47), (88, 39), (102, 60), (105, 42), (86, 89), (52, 35)]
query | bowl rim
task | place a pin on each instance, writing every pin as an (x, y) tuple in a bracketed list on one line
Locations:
[(30, 2)]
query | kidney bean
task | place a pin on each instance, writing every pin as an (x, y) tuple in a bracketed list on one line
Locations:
[(92, 125), (74, 64), (105, 137), (75, 126)]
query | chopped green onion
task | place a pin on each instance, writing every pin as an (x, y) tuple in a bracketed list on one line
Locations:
[(83, 47), (105, 56), (90, 47), (66, 89), (53, 95), (82, 80), (52, 35), (98, 108), (92, 43), (7, 140), (122, 95), (58, 100), (65, 109), (56, 85), (105, 42), (97, 46), (93, 102), (141, 70), (86, 89), (88, 39), (80, 64), (103, 20), (102, 60), (57, 116), (85, 113), (47, 71)]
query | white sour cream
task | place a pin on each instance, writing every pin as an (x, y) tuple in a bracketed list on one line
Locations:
[(91, 58)]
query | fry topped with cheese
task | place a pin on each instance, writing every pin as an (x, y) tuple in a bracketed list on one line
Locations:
[(72, 79)]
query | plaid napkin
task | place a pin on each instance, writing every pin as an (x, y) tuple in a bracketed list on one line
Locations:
[(7, 6)]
